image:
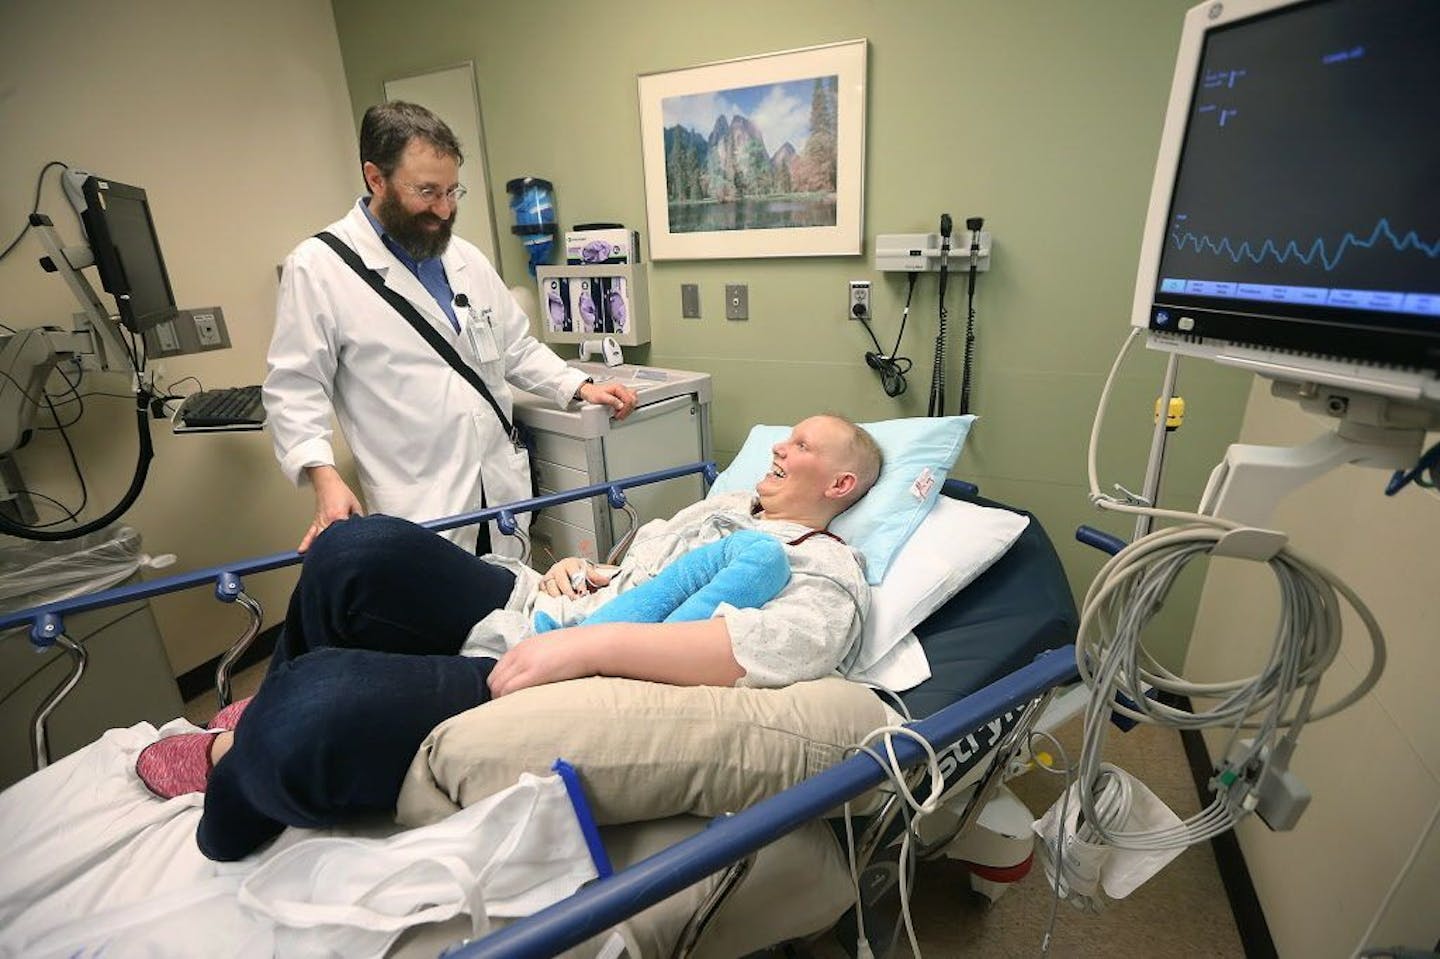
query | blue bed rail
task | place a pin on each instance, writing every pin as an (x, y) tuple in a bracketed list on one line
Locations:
[(46, 622), (1101, 540), (606, 902)]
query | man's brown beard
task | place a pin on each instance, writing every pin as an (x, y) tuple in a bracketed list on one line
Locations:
[(408, 230)]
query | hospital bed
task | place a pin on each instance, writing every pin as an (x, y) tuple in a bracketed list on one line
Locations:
[(997, 650)]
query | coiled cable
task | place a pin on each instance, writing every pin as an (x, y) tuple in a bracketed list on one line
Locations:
[(891, 366), (1275, 703)]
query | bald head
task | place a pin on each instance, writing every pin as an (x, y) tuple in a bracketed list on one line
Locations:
[(818, 471), (861, 455)]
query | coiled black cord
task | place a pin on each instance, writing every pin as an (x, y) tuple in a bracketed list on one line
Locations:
[(937, 371), (891, 367), (973, 224)]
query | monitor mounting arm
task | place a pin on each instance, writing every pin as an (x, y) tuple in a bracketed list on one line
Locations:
[(29, 356), (101, 329), (1374, 431)]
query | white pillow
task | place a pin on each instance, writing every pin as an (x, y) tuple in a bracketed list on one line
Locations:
[(904, 667), (954, 544)]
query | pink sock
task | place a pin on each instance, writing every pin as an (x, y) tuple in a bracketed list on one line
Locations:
[(229, 717), (176, 765)]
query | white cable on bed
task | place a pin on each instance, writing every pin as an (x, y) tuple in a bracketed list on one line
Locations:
[(890, 763), (1112, 659), (888, 694)]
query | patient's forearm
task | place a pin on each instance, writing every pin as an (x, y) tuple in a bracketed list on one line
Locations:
[(682, 654)]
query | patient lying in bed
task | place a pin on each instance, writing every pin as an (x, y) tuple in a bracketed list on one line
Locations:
[(392, 630)]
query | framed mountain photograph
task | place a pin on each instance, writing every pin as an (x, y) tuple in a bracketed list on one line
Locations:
[(760, 156)]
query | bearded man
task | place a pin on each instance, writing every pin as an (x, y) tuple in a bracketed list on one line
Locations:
[(428, 441)]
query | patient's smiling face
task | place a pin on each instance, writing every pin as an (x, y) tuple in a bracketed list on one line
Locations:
[(808, 473)]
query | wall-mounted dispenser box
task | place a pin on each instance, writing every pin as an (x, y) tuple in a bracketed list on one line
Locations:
[(589, 247), (581, 301)]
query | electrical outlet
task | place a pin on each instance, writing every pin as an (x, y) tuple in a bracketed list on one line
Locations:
[(859, 299), (737, 301), (207, 331)]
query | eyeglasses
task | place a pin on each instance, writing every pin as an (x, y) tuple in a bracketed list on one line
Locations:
[(430, 194)]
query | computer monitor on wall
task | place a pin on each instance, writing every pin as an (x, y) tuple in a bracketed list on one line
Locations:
[(1294, 220), (127, 252)]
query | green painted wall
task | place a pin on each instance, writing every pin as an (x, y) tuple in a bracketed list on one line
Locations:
[(1042, 116)]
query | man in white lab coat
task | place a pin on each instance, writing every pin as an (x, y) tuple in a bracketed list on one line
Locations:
[(426, 443)]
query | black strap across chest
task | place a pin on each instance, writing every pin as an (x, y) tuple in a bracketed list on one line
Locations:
[(421, 325)]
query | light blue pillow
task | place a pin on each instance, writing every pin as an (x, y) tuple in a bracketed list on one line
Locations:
[(880, 523)]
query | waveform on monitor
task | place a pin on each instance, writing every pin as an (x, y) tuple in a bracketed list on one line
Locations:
[(1317, 253)]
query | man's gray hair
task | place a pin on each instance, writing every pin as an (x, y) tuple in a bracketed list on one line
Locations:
[(388, 128)]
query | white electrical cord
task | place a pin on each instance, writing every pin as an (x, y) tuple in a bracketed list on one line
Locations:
[(1111, 659), (914, 810), (890, 695), (1048, 855)]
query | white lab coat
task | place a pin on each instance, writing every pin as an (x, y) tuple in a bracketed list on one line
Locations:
[(425, 442)]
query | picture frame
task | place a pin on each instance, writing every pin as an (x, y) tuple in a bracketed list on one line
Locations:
[(717, 187)]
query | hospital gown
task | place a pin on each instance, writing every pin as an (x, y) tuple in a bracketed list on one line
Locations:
[(811, 629)]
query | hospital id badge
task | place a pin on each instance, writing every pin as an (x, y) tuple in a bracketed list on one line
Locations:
[(482, 341)]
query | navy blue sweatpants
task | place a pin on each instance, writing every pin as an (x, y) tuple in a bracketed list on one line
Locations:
[(365, 667)]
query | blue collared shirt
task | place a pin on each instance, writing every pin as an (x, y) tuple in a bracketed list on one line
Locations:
[(430, 273)]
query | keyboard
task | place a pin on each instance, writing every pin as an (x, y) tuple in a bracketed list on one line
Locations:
[(236, 406)]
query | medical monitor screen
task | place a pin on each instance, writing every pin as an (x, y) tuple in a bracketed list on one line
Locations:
[(127, 252), (1305, 210)]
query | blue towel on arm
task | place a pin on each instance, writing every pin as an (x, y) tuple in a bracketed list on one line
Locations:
[(746, 569)]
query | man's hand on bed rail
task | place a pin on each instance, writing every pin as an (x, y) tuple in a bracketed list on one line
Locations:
[(573, 576), (682, 654)]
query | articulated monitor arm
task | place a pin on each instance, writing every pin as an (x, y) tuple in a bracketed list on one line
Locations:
[(26, 359), (28, 356), (68, 261)]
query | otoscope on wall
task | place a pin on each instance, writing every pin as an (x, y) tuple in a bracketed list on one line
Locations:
[(937, 373), (974, 224)]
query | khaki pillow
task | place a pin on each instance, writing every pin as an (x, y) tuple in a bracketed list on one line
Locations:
[(644, 750)]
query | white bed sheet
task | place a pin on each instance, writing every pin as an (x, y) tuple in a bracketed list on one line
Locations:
[(83, 842), (92, 862)]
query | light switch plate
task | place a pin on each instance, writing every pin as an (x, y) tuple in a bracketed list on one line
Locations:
[(169, 342), (737, 301), (690, 301)]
